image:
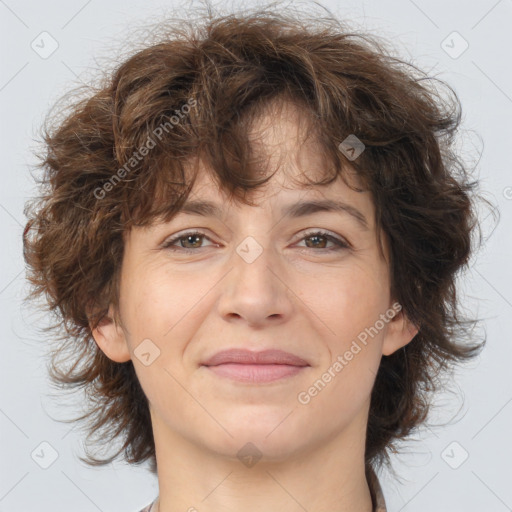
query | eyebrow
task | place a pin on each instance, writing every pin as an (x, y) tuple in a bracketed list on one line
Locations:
[(295, 210)]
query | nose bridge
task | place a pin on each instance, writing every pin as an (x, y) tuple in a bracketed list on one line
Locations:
[(253, 290), (252, 263)]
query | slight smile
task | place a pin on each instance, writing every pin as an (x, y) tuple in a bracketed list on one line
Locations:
[(256, 367)]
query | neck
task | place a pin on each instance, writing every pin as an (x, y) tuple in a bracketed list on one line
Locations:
[(325, 477)]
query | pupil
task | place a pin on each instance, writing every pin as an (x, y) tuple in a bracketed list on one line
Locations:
[(191, 237), (315, 237)]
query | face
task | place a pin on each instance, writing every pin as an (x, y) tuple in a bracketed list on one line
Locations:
[(259, 278)]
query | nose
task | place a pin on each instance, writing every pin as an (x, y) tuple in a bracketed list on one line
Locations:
[(255, 291)]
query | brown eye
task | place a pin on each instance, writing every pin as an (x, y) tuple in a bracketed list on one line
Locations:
[(319, 240), (187, 241), (316, 244), (194, 240)]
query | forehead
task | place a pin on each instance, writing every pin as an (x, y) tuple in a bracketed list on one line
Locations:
[(283, 136), (283, 196), (284, 143), (285, 149)]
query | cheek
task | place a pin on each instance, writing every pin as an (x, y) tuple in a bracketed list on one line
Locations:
[(167, 310), (349, 300), (351, 311), (154, 302), (156, 315)]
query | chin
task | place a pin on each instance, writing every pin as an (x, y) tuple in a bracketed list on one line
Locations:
[(271, 438)]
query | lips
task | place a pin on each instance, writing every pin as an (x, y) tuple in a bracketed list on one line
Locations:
[(266, 357), (244, 366)]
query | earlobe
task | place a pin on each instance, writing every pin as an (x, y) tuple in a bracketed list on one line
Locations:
[(399, 333), (110, 338)]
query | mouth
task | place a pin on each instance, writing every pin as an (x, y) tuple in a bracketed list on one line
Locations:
[(255, 367), (255, 372)]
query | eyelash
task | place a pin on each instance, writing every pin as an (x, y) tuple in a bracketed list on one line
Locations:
[(340, 243)]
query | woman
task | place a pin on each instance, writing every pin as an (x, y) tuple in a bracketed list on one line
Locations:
[(251, 234)]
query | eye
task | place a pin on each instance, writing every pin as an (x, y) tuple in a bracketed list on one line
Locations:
[(192, 239), (320, 238)]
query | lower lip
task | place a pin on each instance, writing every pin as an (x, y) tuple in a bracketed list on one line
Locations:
[(255, 372)]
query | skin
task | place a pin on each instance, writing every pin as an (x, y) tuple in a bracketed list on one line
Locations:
[(297, 296)]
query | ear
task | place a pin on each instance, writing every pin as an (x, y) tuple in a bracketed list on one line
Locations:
[(400, 331), (110, 338)]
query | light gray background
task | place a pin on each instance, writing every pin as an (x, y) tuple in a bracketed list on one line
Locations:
[(479, 406)]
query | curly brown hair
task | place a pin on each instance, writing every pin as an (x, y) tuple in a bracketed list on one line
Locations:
[(118, 159)]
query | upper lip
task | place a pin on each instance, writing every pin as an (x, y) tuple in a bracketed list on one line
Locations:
[(243, 356)]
